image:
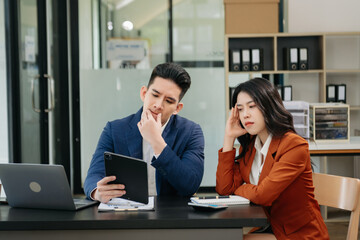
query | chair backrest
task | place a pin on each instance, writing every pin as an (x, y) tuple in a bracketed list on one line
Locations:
[(340, 192)]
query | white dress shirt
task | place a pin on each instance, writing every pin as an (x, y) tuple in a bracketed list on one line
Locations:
[(148, 154), (259, 159)]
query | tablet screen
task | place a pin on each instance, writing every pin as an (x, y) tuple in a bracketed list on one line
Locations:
[(131, 172)]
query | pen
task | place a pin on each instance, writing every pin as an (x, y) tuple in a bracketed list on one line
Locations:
[(214, 197)]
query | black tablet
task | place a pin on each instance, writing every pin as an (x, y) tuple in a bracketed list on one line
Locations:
[(131, 172), (206, 207)]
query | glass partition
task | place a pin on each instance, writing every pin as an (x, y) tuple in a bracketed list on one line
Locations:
[(133, 33), (204, 104), (198, 45), (111, 94), (198, 31), (128, 40), (106, 95)]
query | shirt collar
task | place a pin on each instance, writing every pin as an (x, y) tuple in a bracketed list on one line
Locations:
[(263, 148), (164, 126)]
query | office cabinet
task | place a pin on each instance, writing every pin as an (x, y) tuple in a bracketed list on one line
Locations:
[(331, 58), (300, 113), (329, 122)]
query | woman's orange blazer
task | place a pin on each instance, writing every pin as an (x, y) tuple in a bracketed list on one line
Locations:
[(285, 187)]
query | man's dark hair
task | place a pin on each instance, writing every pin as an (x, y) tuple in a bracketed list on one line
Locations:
[(173, 72)]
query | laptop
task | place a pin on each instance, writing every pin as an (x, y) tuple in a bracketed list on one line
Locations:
[(39, 186)]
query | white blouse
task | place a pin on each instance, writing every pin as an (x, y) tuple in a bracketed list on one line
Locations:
[(259, 159)]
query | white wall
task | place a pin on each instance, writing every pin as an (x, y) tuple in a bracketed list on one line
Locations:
[(4, 150), (323, 15), (326, 16)]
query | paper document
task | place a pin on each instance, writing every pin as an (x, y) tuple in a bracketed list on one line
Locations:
[(221, 200), (120, 204)]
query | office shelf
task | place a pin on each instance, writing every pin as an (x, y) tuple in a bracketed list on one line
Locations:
[(333, 58)]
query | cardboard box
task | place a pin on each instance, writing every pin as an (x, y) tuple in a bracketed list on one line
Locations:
[(251, 16)]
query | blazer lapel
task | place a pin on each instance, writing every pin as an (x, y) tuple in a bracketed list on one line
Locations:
[(269, 161), (134, 138)]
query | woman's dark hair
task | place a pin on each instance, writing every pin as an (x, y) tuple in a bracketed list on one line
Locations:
[(173, 72), (278, 120)]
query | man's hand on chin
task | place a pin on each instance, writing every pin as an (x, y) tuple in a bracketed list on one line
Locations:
[(150, 130)]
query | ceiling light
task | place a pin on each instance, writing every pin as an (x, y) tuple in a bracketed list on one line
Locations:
[(127, 25)]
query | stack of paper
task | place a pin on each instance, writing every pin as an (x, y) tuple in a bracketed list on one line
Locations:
[(120, 204), (221, 200)]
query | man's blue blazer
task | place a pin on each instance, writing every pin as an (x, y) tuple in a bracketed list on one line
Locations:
[(180, 166)]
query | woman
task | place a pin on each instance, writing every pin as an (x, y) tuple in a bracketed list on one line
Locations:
[(273, 168)]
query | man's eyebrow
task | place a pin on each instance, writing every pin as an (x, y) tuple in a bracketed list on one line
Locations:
[(156, 91), (170, 98)]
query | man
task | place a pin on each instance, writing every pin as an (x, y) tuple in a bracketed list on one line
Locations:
[(173, 146)]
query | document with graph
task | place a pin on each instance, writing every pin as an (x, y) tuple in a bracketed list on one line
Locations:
[(120, 204)]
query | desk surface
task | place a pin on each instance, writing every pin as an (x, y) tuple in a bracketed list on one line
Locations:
[(170, 212), (351, 147)]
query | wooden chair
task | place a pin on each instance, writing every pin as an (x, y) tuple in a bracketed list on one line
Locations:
[(259, 236), (340, 192)]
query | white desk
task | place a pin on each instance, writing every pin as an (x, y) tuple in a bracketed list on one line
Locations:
[(335, 148)]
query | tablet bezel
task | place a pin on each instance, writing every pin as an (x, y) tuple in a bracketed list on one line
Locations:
[(131, 172)]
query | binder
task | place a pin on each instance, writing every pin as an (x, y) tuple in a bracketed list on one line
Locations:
[(234, 60), (303, 58), (231, 93), (341, 93), (256, 59), (245, 59), (330, 93), (291, 58), (287, 93)]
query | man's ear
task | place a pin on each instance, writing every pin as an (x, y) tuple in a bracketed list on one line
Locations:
[(143, 92), (178, 108)]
